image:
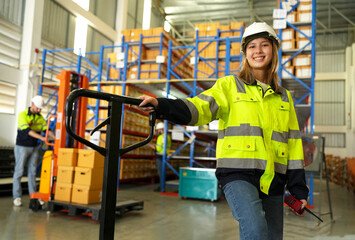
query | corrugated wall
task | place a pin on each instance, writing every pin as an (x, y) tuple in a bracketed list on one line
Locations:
[(58, 25), (335, 41), (330, 61), (329, 103), (106, 12), (12, 10)]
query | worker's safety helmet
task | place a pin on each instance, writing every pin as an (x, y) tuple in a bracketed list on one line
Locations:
[(259, 30), (38, 101), (160, 126)]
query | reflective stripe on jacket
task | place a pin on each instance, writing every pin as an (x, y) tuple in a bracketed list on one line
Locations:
[(26, 122), (256, 130), (160, 144)]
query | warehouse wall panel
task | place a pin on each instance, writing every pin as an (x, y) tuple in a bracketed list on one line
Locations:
[(94, 41), (12, 10), (58, 25), (135, 14), (330, 61), (333, 41), (106, 12), (329, 99)]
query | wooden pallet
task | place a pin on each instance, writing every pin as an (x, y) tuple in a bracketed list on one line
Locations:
[(93, 210)]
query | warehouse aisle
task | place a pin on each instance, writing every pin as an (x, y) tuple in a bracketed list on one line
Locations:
[(169, 217)]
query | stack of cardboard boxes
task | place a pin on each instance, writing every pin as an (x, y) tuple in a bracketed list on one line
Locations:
[(149, 42), (79, 176), (208, 49), (300, 66)]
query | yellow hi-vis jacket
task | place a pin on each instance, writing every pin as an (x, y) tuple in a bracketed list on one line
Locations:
[(159, 147), (256, 130), (26, 122)]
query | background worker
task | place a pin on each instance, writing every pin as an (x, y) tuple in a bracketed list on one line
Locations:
[(30, 126), (259, 147), (159, 149)]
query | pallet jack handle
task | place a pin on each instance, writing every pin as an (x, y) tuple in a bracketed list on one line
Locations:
[(112, 151), (69, 106)]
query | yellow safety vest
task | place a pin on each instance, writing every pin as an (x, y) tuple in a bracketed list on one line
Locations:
[(160, 144), (26, 122), (256, 130)]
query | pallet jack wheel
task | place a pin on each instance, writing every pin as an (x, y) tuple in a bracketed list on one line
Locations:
[(35, 205)]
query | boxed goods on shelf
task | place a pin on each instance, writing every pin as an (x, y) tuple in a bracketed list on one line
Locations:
[(302, 60), (351, 174), (290, 70), (225, 28), (303, 71), (288, 34), (302, 42), (288, 44), (306, 31), (305, 6), (291, 17), (337, 169), (304, 16), (289, 63)]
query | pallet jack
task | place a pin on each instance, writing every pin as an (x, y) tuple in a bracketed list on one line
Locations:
[(112, 151), (68, 81)]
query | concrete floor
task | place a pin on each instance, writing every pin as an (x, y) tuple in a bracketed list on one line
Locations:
[(173, 218)]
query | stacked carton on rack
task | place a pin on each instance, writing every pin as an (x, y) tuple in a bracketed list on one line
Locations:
[(293, 40), (149, 43), (208, 50)]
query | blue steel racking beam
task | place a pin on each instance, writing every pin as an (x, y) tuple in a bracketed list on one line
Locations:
[(310, 90)]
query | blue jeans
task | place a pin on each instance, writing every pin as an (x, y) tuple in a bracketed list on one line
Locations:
[(159, 161), (259, 219), (24, 155)]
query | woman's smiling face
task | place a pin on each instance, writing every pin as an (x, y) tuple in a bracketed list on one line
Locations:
[(259, 53)]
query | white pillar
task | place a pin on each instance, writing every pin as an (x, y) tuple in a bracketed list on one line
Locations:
[(31, 39), (121, 19)]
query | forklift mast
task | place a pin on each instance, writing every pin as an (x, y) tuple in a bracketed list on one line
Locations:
[(69, 81)]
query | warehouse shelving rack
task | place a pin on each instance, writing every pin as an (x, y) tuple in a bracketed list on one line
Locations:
[(212, 62), (302, 87), (188, 86)]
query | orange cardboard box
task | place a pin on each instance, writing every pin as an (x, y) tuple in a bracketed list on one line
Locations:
[(63, 191), (90, 158), (92, 177), (65, 174), (67, 157), (85, 195)]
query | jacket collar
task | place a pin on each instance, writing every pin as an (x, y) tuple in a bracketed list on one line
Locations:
[(29, 113)]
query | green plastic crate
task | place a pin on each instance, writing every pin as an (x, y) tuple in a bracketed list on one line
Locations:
[(199, 183)]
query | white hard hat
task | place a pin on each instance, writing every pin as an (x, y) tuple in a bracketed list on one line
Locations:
[(160, 126), (257, 30), (38, 101)]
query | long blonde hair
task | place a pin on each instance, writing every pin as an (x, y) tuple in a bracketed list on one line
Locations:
[(246, 75)]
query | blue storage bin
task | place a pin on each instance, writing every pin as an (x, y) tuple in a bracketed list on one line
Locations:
[(199, 183)]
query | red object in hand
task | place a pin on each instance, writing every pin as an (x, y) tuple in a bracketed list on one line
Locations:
[(294, 203)]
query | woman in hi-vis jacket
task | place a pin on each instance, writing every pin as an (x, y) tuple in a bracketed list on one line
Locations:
[(259, 147)]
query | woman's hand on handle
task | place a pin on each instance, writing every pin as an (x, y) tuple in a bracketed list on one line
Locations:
[(148, 100)]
